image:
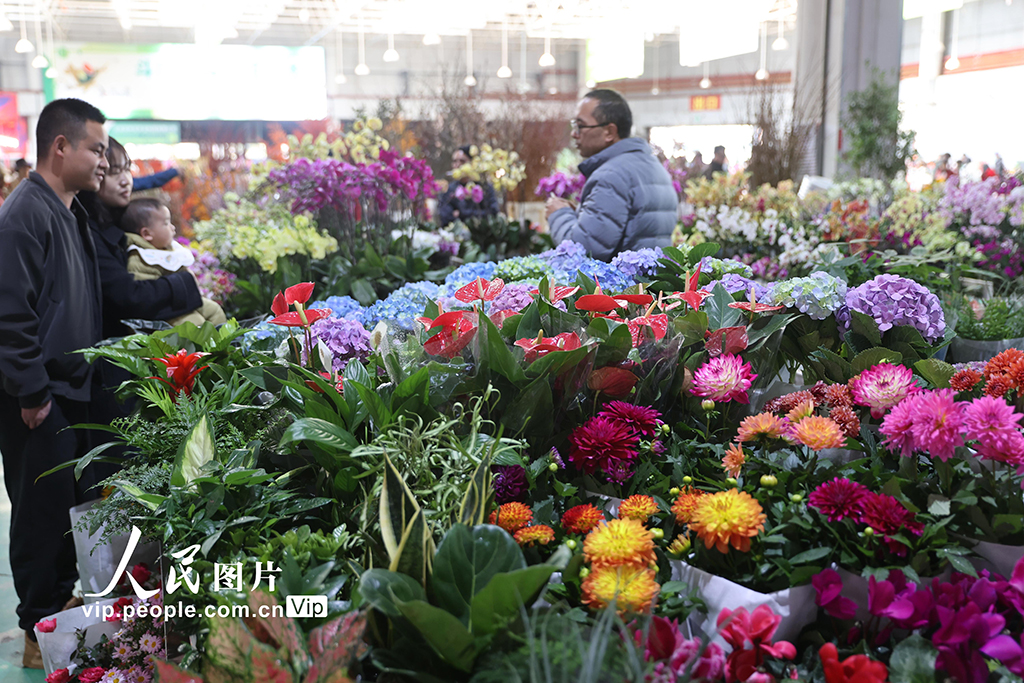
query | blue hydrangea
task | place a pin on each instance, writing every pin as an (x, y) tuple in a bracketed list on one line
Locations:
[(611, 279), (817, 295), (341, 306), (567, 257), (263, 337), (420, 292), (734, 283), (717, 267), (468, 272), (642, 262), (400, 310)]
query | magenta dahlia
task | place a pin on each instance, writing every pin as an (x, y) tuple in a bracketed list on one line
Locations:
[(602, 444), (641, 419), (887, 517), (987, 415), (897, 427), (938, 423), (838, 499), (725, 378), (882, 387)]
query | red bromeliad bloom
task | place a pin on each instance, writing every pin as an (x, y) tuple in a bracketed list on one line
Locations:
[(480, 290), (457, 330), (557, 293), (181, 371), (542, 346), (297, 296)]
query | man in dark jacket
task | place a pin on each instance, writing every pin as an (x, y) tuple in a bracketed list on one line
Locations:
[(628, 201), (50, 306)]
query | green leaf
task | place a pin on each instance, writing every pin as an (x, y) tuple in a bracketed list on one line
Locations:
[(872, 357), (810, 555), (938, 506), (504, 596), (937, 372), (865, 326), (466, 561), (414, 550), (379, 413), (701, 250), (446, 634), (319, 431), (397, 507), (717, 308), (151, 501), (913, 661), (195, 451), (473, 509), (362, 291), (692, 326), (384, 590), (960, 563)]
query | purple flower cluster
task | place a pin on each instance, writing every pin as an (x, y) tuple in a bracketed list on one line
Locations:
[(678, 176), (567, 257), (566, 186), (514, 297), (765, 267), (737, 283), (892, 300), (977, 203), (1000, 256), (642, 262), (510, 483), (346, 339), (313, 185)]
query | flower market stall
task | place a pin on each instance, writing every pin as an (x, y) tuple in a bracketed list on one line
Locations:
[(471, 455)]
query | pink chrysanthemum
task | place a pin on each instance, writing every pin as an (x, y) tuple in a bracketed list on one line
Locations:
[(882, 387), (839, 499), (641, 419), (1002, 446), (887, 517), (987, 416), (938, 423), (602, 444), (897, 427), (725, 378)]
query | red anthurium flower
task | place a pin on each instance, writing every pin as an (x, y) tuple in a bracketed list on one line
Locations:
[(612, 381), (298, 294), (449, 319), (542, 346), (480, 290), (280, 306), (597, 303), (853, 669), (499, 317), (695, 299), (457, 330), (751, 306), (339, 382), (181, 371), (726, 340), (302, 318), (657, 323), (557, 293), (640, 299)]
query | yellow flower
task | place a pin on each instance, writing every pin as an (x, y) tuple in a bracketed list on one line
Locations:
[(801, 411), (631, 588), (761, 426), (638, 507), (374, 123), (680, 546), (685, 502), (539, 534), (727, 518), (733, 461), (512, 517), (620, 541), (818, 433)]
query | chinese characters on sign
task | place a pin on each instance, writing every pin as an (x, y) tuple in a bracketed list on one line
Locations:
[(705, 102)]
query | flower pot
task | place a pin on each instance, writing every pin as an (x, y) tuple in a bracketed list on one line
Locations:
[(97, 562), (997, 558), (795, 605), (966, 350), (58, 646)]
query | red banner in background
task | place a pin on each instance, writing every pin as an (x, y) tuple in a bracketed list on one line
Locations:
[(13, 128)]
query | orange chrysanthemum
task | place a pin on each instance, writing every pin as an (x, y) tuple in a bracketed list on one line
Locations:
[(965, 380), (733, 460), (847, 420), (1002, 362), (512, 517), (638, 507), (538, 534), (728, 518), (998, 385), (762, 426), (800, 411), (838, 395), (581, 519), (818, 433), (619, 542), (631, 588), (685, 502)]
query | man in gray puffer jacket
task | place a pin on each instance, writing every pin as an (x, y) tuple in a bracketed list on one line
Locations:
[(628, 201)]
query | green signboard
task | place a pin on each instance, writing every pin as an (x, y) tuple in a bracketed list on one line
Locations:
[(146, 132)]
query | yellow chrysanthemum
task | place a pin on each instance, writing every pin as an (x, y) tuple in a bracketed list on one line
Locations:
[(727, 518), (801, 411), (762, 426), (638, 507), (620, 542), (539, 534), (818, 433), (733, 460), (685, 502), (680, 546), (632, 588), (512, 517)]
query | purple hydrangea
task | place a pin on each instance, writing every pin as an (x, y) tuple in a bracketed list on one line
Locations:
[(567, 257), (642, 262), (510, 483), (346, 339), (514, 297), (734, 283), (892, 300)]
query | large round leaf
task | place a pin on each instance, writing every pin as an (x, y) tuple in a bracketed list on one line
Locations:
[(385, 590), (467, 560)]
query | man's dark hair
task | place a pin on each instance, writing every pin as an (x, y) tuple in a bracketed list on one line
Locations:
[(467, 150), (719, 149), (64, 117), (612, 108), (138, 213), (21, 163)]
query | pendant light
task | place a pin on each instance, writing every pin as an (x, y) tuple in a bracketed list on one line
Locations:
[(24, 45), (780, 43), (340, 77), (953, 63), (40, 61), (391, 54), (762, 73), (470, 79), (547, 59), (361, 68), (504, 71), (705, 82)]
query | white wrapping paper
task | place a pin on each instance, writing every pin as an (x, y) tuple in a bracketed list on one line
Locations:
[(97, 563), (58, 646), (997, 558)]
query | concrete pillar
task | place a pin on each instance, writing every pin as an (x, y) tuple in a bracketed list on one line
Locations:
[(840, 44)]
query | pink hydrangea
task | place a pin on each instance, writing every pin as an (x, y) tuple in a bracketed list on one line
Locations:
[(725, 378), (882, 387)]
